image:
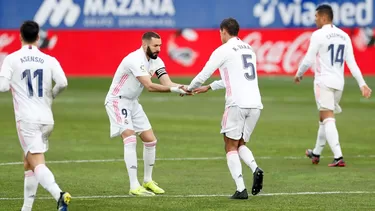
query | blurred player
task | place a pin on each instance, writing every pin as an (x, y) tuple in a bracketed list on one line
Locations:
[(126, 115), (330, 47), (236, 61), (29, 74)]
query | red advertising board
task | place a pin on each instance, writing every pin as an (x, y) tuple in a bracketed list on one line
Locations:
[(185, 52)]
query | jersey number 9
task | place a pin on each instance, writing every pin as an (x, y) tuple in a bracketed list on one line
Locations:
[(248, 66), (27, 76)]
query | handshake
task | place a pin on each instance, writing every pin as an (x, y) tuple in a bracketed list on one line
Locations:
[(183, 90)]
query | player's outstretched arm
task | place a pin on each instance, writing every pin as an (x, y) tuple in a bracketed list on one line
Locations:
[(215, 61), (354, 69), (218, 84), (152, 87), (165, 80)]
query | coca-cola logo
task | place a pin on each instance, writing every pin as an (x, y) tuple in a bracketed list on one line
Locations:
[(275, 56)]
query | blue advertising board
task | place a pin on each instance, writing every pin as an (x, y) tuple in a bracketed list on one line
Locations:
[(136, 14)]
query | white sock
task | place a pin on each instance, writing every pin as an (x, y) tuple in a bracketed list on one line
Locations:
[(130, 157), (149, 151), (247, 156), (29, 191), (235, 168), (320, 140), (46, 179), (332, 136)]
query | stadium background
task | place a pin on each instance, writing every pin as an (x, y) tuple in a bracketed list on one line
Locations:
[(90, 38)]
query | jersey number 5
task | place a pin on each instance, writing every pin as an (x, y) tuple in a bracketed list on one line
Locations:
[(339, 57), (248, 66), (27, 76)]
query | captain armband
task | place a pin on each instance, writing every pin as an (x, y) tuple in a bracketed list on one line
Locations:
[(161, 71)]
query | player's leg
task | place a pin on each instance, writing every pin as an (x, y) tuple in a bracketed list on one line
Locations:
[(327, 104), (314, 154), (30, 182), (30, 187), (231, 128), (120, 116), (245, 153), (142, 126), (34, 141), (36, 137)]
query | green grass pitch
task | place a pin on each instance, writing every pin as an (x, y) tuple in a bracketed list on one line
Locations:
[(192, 167)]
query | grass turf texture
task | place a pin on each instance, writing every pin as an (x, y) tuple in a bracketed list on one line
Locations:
[(189, 127)]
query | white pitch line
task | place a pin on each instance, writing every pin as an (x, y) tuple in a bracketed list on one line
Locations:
[(182, 159), (204, 195)]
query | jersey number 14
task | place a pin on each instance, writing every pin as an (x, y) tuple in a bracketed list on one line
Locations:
[(29, 85), (339, 56)]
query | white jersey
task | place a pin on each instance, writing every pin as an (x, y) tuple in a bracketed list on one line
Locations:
[(125, 83), (330, 47), (236, 62), (31, 73)]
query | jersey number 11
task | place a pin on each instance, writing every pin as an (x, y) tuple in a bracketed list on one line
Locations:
[(27, 76)]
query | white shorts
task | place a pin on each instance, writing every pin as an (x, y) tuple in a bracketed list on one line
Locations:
[(126, 115), (239, 123), (34, 137), (327, 98)]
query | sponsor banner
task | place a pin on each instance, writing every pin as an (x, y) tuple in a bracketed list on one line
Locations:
[(185, 52), (171, 14)]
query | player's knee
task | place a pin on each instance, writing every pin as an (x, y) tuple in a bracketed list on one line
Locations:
[(34, 159), (148, 136), (127, 133), (26, 165), (324, 114), (231, 144)]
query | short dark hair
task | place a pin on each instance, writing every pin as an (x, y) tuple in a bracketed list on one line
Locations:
[(326, 10), (29, 31), (231, 26), (149, 35)]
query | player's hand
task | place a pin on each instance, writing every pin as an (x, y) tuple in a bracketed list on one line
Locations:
[(366, 91), (178, 89), (187, 92), (297, 79), (202, 89)]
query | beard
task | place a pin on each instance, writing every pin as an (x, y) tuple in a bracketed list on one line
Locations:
[(152, 55)]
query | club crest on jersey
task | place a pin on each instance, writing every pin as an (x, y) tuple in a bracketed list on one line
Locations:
[(142, 68)]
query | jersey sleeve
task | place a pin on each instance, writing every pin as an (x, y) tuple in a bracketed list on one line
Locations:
[(160, 68), (310, 56), (58, 74), (219, 84), (137, 68), (215, 61), (352, 64), (6, 70)]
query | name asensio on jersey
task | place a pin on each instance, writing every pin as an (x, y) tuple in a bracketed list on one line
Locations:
[(31, 59)]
